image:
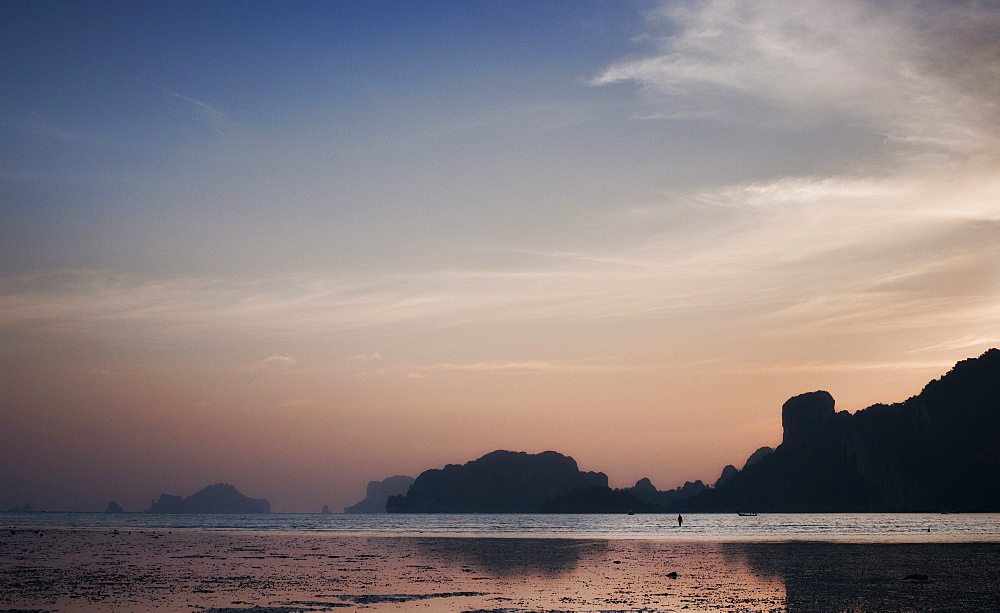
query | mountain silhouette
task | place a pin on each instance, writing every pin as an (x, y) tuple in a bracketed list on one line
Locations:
[(936, 451)]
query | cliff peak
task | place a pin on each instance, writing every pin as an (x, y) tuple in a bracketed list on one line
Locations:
[(804, 417)]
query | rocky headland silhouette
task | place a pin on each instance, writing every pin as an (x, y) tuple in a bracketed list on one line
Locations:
[(936, 451), (217, 498)]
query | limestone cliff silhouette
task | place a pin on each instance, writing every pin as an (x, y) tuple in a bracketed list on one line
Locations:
[(378, 493), (498, 482), (218, 498), (936, 451)]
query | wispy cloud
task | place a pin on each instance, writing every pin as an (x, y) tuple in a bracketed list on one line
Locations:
[(214, 118), (901, 249), (37, 124), (855, 253), (847, 366), (962, 342), (923, 74), (910, 246), (286, 360)]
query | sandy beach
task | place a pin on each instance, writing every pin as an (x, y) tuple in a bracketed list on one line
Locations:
[(77, 570)]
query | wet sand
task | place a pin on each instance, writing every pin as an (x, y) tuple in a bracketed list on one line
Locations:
[(76, 570)]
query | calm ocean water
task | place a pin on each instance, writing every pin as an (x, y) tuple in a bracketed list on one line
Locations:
[(851, 527)]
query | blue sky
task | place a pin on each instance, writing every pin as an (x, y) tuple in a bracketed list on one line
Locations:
[(391, 235), (227, 111)]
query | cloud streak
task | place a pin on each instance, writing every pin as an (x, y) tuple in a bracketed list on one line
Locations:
[(900, 244), (216, 120), (922, 74), (799, 254), (284, 360), (902, 247)]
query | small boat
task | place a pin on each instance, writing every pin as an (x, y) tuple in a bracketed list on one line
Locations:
[(747, 514)]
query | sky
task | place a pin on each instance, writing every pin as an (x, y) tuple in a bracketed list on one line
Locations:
[(297, 247)]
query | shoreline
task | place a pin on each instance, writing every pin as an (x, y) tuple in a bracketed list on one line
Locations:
[(75, 570), (860, 528), (901, 539)]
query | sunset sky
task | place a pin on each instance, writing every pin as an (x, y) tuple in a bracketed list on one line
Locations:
[(299, 246)]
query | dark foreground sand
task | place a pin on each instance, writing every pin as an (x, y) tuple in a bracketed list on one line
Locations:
[(74, 570)]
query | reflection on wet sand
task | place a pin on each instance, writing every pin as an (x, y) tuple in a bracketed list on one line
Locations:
[(567, 575), (231, 572), (509, 557), (877, 576), (228, 572)]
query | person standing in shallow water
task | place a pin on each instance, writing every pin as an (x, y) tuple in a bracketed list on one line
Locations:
[(680, 520)]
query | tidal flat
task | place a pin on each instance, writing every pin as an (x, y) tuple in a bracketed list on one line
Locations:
[(76, 570)]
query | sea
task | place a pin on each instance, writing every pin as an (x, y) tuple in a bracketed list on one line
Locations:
[(726, 527)]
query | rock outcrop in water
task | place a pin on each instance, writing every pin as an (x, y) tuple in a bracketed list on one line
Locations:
[(378, 493), (936, 451), (218, 498), (498, 482)]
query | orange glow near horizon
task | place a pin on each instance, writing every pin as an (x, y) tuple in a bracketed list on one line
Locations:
[(371, 240)]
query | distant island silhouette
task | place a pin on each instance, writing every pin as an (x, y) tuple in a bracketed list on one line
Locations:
[(25, 508), (378, 494), (937, 451), (499, 482), (218, 498)]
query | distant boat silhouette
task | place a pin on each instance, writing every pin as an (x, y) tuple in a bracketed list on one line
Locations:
[(747, 514)]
